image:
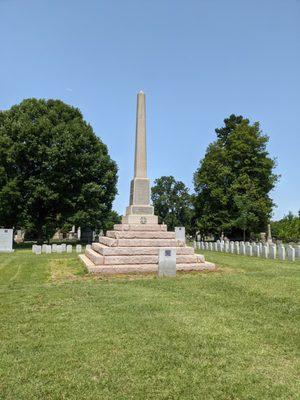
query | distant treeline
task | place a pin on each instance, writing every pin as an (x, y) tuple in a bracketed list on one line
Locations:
[(287, 229)]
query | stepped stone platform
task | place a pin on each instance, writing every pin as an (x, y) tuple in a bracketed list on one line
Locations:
[(133, 248)]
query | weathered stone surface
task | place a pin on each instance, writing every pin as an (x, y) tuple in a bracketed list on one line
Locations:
[(140, 227), (139, 242), (125, 251), (143, 259), (140, 219), (97, 258), (142, 268), (140, 235)]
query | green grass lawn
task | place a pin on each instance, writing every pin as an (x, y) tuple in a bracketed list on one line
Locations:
[(231, 334)]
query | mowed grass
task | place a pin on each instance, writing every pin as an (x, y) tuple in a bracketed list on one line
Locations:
[(231, 334)]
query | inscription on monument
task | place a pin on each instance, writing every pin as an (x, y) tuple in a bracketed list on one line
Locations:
[(142, 210), (140, 192)]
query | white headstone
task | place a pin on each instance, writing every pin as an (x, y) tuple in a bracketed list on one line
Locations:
[(69, 248), (210, 246), (38, 249), (54, 248), (256, 250), (281, 253), (249, 250), (237, 248), (33, 248), (265, 251), (78, 248), (297, 251), (291, 253), (6, 240), (231, 247), (272, 251), (180, 233), (48, 249), (59, 248), (167, 262), (44, 246), (88, 246), (63, 247), (242, 248)]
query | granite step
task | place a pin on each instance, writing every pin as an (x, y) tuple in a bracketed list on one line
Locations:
[(111, 242), (140, 234), (125, 251), (140, 227), (144, 259), (94, 256), (142, 268)]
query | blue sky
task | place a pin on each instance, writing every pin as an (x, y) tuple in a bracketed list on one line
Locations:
[(198, 61)]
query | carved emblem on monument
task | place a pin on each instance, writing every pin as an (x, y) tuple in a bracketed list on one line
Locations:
[(143, 220)]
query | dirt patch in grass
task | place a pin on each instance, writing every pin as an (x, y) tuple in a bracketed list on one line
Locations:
[(61, 271)]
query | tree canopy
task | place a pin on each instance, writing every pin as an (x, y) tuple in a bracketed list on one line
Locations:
[(233, 181), (287, 228), (172, 202), (54, 171)]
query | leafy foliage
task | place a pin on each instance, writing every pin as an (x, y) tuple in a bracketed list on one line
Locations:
[(112, 219), (54, 171), (233, 181), (172, 202), (288, 228)]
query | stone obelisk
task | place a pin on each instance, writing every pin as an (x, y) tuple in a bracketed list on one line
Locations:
[(139, 210)]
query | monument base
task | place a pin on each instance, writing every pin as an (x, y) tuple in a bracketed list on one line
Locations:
[(139, 219), (134, 248)]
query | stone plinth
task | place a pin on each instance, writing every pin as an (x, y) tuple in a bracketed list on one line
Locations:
[(133, 248)]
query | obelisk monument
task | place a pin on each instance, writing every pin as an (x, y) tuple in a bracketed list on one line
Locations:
[(139, 210), (136, 245)]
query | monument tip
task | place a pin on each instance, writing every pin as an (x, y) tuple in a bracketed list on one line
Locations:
[(141, 92)]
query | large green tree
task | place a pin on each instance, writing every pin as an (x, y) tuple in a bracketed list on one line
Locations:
[(54, 171), (233, 181), (172, 202), (287, 228)]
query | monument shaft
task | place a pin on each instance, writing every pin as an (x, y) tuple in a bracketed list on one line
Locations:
[(139, 209), (140, 160)]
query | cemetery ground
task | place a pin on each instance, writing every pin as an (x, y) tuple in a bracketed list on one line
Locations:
[(230, 334)]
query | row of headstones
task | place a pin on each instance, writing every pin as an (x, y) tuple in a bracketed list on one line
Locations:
[(267, 250), (57, 248)]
